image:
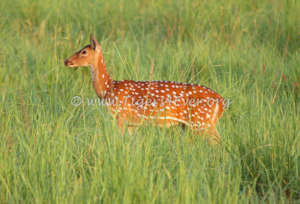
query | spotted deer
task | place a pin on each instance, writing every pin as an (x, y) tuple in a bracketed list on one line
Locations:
[(165, 103)]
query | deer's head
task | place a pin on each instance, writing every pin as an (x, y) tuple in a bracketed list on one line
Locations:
[(88, 56)]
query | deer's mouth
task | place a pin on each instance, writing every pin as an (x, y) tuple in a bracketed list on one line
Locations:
[(68, 63)]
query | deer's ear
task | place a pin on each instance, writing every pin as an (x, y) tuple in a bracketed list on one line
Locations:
[(94, 44)]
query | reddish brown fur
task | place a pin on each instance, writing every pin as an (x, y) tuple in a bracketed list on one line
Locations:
[(164, 102)]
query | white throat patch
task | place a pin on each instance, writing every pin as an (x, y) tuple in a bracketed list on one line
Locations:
[(92, 73)]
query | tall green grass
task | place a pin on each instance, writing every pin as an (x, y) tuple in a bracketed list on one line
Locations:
[(53, 152)]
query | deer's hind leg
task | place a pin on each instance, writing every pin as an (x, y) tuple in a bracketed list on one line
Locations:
[(211, 134)]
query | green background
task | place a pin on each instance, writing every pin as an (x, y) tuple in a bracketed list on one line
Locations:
[(54, 152)]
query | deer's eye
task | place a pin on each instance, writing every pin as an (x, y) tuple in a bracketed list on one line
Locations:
[(83, 52)]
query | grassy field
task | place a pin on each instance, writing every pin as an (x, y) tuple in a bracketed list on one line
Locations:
[(54, 152)]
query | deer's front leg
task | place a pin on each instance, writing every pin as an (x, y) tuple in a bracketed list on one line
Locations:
[(123, 122)]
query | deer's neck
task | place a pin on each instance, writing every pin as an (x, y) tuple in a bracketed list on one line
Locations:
[(101, 80)]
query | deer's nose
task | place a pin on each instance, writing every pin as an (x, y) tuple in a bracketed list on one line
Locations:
[(66, 62)]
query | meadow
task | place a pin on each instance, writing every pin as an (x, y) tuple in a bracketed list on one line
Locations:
[(54, 152)]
